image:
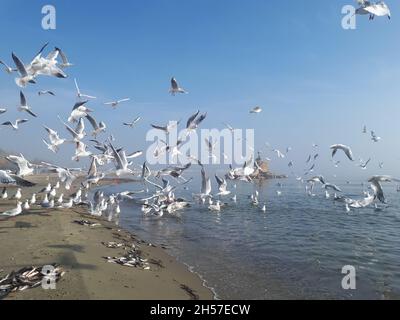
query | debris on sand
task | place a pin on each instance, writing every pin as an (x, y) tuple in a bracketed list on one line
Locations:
[(193, 295), (28, 277), (131, 259), (87, 223)]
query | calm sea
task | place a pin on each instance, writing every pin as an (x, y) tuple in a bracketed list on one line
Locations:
[(296, 250)]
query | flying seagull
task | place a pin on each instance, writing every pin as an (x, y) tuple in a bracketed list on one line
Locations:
[(7, 68), (379, 9), (24, 78), (114, 104), (81, 95), (131, 124), (344, 148), (24, 106), (175, 88), (256, 110), (43, 92), (14, 125), (65, 62)]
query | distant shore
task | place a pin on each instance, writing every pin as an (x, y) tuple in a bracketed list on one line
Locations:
[(42, 237)]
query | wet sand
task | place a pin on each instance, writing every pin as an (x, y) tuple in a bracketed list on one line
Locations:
[(42, 237)]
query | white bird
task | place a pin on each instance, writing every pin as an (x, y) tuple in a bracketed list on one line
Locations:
[(81, 95), (256, 110), (374, 137), (114, 104), (55, 140), (13, 212), (222, 187), (24, 166), (131, 124), (14, 125), (364, 165), (24, 78), (344, 148), (175, 88), (4, 194), (26, 205), (43, 92), (215, 207), (7, 68), (97, 127), (264, 208), (65, 63), (67, 205), (79, 111), (379, 9), (33, 199), (81, 151), (17, 195)]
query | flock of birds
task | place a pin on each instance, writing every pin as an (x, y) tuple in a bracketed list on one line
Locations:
[(120, 163)]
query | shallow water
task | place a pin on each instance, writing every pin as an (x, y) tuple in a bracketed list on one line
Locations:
[(296, 250)]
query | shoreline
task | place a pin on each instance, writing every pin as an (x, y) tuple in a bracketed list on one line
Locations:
[(42, 237)]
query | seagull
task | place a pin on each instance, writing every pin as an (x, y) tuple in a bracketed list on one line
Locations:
[(364, 129), (175, 88), (81, 151), (81, 95), (131, 124), (24, 106), (14, 125), (279, 154), (24, 78), (379, 9), (7, 68), (377, 188), (215, 207), (79, 110), (55, 140), (97, 127), (3, 110), (4, 194), (229, 127), (24, 166), (195, 120), (344, 148), (374, 137), (210, 148), (364, 165), (78, 134), (332, 186), (13, 212), (222, 185), (114, 104), (319, 179), (43, 92), (65, 62), (8, 179), (167, 129), (256, 110), (381, 165)]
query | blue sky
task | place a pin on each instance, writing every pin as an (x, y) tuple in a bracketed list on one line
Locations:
[(316, 82)]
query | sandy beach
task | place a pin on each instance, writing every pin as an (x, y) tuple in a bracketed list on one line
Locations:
[(42, 237)]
